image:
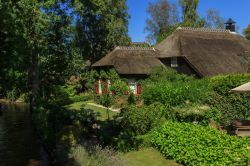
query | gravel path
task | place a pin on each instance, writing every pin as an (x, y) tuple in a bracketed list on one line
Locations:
[(100, 106)]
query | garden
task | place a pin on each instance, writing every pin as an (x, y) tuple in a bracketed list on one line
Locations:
[(187, 120)]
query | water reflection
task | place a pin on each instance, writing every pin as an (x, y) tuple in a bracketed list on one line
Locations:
[(19, 145)]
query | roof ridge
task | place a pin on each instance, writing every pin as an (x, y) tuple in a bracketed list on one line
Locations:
[(134, 48), (203, 29)]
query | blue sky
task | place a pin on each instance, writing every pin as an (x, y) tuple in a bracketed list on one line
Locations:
[(239, 10)]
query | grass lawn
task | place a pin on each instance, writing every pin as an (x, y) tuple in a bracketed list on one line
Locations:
[(101, 111), (147, 157)]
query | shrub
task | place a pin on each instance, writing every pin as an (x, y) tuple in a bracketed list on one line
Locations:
[(163, 74), (175, 93), (51, 120), (223, 84), (232, 106), (192, 144), (12, 94), (201, 114), (140, 120)]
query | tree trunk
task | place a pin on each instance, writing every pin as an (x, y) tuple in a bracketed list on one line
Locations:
[(33, 80)]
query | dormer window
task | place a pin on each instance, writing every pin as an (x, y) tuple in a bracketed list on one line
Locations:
[(174, 62)]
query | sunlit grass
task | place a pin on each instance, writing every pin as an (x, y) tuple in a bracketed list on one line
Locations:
[(147, 157), (102, 111)]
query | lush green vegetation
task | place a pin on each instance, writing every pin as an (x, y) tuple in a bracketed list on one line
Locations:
[(46, 48), (102, 112), (192, 144)]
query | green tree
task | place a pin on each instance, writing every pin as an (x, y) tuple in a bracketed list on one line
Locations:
[(36, 47), (163, 18), (247, 32), (100, 25), (190, 14), (59, 49)]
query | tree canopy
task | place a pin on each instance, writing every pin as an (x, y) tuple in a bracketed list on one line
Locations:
[(247, 32), (45, 42)]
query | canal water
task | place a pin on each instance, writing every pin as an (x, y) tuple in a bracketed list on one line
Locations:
[(19, 145)]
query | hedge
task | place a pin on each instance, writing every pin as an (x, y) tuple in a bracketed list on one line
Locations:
[(191, 144)]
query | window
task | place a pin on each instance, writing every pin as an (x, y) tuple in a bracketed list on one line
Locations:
[(174, 62), (133, 86)]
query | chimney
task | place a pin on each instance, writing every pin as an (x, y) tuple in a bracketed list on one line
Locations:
[(230, 25)]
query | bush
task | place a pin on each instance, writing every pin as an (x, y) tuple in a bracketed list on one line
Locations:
[(140, 120), (223, 84), (192, 144), (51, 121), (12, 94), (201, 114), (175, 93), (232, 106)]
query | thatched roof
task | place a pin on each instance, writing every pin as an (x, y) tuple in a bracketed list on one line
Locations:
[(131, 60), (210, 52), (245, 88)]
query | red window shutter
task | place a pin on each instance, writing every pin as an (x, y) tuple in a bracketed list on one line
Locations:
[(97, 87), (138, 89), (126, 92)]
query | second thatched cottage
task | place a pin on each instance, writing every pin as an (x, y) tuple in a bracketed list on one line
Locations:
[(194, 51)]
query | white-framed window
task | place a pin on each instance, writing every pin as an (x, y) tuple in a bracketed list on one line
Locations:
[(132, 85), (174, 62)]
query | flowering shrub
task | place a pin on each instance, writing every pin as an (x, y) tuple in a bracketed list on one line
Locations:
[(192, 144)]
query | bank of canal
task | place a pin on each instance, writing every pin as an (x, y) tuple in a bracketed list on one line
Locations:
[(19, 145)]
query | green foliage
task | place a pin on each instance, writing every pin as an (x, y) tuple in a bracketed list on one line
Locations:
[(175, 93), (191, 17), (247, 32), (192, 144), (51, 119), (223, 84), (232, 106), (201, 114), (140, 120), (131, 99), (64, 95), (12, 94), (119, 87), (99, 25)]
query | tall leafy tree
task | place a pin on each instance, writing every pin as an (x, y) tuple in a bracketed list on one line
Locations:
[(190, 14), (247, 32), (100, 25), (163, 17), (13, 56), (36, 47), (57, 54)]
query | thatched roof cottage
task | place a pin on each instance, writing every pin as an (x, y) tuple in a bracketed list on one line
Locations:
[(204, 52), (130, 62), (193, 51)]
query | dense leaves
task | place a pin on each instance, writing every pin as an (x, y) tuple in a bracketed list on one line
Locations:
[(168, 87), (247, 32), (140, 120), (192, 144), (232, 106), (100, 25)]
